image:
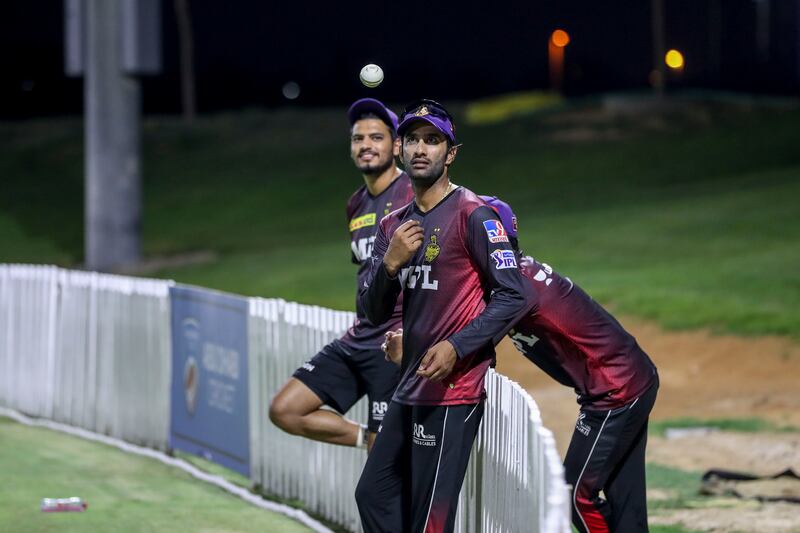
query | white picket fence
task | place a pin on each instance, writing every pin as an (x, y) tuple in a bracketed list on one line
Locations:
[(93, 351)]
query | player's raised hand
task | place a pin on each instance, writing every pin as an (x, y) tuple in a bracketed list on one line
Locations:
[(438, 362), (393, 346), (407, 239)]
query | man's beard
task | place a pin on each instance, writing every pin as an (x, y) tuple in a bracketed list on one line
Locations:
[(427, 177), (382, 166)]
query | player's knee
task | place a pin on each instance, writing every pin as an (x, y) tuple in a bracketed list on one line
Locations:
[(364, 493), (280, 413)]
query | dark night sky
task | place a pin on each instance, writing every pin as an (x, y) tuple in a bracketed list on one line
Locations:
[(246, 51)]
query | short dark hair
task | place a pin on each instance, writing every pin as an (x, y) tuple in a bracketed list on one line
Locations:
[(371, 115)]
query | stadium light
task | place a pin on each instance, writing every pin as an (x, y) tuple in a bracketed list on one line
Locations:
[(674, 59), (559, 38)]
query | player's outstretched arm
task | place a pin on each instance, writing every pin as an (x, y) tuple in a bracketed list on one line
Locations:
[(542, 355), (511, 295)]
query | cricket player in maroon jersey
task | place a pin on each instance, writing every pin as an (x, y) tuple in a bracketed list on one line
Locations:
[(450, 257), (353, 365), (579, 344)]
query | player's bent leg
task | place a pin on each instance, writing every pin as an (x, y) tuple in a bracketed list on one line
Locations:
[(296, 409), (626, 488), (382, 490), (602, 441), (586, 470)]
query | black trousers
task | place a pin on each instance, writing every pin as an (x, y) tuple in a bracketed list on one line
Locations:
[(607, 452), (414, 472)]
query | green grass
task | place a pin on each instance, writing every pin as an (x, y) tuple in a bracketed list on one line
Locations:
[(680, 486), (687, 217), (131, 493), (238, 479), (741, 425), (124, 492)]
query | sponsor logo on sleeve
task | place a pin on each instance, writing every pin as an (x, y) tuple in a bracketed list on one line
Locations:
[(504, 259), (363, 221), (495, 231)]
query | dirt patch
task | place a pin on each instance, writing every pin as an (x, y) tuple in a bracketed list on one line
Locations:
[(735, 516), (761, 454), (703, 376)]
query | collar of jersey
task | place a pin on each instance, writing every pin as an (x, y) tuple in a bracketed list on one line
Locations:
[(419, 211), (399, 176)]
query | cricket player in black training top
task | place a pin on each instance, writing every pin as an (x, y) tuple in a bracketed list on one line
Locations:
[(449, 256), (579, 344), (353, 365)]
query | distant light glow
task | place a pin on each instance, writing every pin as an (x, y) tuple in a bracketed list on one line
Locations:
[(560, 38), (674, 59), (291, 90)]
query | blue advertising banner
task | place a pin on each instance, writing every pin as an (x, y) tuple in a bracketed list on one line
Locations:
[(209, 400)]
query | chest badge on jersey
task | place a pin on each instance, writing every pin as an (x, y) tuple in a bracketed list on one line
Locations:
[(495, 231), (388, 208), (432, 249), (504, 259)]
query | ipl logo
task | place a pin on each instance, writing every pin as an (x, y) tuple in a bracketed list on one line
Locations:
[(504, 259)]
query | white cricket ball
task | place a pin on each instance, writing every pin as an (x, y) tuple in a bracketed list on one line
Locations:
[(371, 75)]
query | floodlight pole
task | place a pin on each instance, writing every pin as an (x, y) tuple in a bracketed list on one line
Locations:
[(110, 43), (113, 204), (657, 22)]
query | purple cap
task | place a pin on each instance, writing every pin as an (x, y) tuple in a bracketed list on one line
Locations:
[(430, 112), (507, 216), (376, 107)]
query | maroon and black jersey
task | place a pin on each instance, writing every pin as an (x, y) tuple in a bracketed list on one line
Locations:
[(578, 343), (364, 211), (462, 285)]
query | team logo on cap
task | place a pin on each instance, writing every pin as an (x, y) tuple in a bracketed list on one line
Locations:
[(432, 250), (495, 231), (422, 111)]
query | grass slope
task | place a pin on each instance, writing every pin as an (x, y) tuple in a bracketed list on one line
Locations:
[(687, 217), (124, 492)]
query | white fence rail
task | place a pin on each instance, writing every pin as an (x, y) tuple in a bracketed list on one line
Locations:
[(86, 349), (93, 351)]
